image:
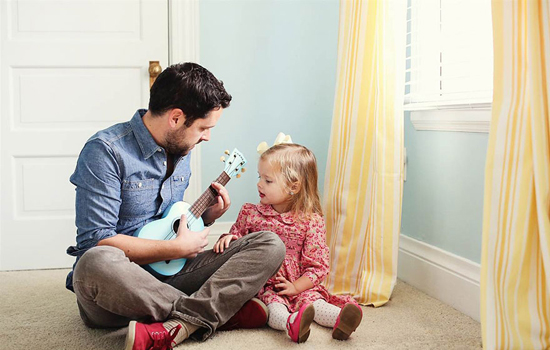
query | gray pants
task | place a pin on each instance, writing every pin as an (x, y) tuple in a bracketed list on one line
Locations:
[(111, 291)]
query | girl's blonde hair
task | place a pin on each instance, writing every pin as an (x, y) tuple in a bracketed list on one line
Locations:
[(295, 165)]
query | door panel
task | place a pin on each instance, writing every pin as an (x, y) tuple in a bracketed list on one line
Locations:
[(82, 90), (67, 69)]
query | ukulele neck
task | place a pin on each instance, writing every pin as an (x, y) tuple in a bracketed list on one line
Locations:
[(209, 196)]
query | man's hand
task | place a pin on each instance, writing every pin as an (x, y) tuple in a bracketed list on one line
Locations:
[(285, 287), (223, 243), (215, 211), (191, 243)]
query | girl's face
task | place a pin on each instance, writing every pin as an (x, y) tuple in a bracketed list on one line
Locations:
[(270, 188)]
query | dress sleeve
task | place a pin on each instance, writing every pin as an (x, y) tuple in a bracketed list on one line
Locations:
[(315, 252), (240, 227)]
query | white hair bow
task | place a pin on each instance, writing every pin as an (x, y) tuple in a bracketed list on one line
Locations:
[(281, 138)]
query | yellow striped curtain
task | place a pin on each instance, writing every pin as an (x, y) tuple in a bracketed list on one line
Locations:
[(515, 263), (364, 176)]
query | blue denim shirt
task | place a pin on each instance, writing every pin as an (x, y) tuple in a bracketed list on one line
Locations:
[(120, 184)]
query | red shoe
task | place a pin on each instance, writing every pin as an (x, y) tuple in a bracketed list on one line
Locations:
[(253, 314), (347, 322), (298, 329), (152, 336)]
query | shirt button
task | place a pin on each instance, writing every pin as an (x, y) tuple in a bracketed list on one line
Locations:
[(139, 184), (164, 163), (182, 178), (159, 150)]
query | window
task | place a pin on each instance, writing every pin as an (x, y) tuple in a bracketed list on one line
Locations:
[(449, 61)]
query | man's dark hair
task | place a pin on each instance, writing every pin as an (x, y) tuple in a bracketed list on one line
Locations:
[(189, 87)]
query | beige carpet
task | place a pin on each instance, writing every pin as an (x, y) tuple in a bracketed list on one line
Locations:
[(37, 312)]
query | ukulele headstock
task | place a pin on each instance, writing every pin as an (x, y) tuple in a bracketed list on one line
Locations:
[(234, 163)]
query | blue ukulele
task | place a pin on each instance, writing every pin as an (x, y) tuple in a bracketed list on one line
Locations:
[(166, 227)]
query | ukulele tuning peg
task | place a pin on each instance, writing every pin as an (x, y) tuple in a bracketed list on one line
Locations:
[(238, 175), (226, 152), (222, 159), (243, 170)]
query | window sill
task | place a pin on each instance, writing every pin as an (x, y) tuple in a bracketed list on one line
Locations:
[(457, 120)]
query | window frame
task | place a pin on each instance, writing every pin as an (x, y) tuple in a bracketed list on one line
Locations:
[(472, 115)]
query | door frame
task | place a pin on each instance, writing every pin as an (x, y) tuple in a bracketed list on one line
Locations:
[(183, 46)]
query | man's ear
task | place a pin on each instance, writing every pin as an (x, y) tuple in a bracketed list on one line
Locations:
[(176, 118)]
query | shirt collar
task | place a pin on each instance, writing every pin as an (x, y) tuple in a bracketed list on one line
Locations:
[(144, 138), (267, 210)]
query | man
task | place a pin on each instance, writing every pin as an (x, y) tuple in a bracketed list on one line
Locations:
[(126, 176)]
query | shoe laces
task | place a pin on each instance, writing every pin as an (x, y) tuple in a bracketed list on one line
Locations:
[(163, 340)]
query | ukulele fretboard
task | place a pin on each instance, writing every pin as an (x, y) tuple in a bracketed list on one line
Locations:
[(208, 197)]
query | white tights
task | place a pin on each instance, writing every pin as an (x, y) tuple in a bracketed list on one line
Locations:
[(325, 314), (278, 315)]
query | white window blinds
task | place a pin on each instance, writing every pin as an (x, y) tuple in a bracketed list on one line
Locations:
[(449, 54)]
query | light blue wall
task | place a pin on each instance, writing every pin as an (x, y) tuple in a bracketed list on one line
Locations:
[(443, 194), (278, 61)]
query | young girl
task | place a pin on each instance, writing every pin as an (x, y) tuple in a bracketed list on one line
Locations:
[(290, 207)]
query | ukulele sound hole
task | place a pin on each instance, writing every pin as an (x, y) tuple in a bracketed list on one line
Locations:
[(175, 227)]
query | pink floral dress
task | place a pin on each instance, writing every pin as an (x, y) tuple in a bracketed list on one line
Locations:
[(306, 253)]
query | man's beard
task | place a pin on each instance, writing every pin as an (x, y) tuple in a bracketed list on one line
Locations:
[(173, 147)]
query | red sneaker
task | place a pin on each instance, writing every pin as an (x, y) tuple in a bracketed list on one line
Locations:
[(253, 314), (347, 322), (152, 336), (298, 329)]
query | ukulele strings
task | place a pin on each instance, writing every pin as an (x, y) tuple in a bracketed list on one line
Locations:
[(190, 222), (202, 200)]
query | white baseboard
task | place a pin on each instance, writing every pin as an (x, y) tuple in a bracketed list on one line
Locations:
[(436, 272), (440, 274)]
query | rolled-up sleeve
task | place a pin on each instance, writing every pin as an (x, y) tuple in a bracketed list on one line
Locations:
[(98, 195)]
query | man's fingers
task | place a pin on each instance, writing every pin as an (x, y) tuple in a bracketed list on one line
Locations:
[(223, 195), (226, 200), (183, 220)]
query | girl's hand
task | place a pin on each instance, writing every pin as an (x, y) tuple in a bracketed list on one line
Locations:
[(223, 243), (285, 287)]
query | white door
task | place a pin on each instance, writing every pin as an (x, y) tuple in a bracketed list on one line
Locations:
[(67, 69)]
